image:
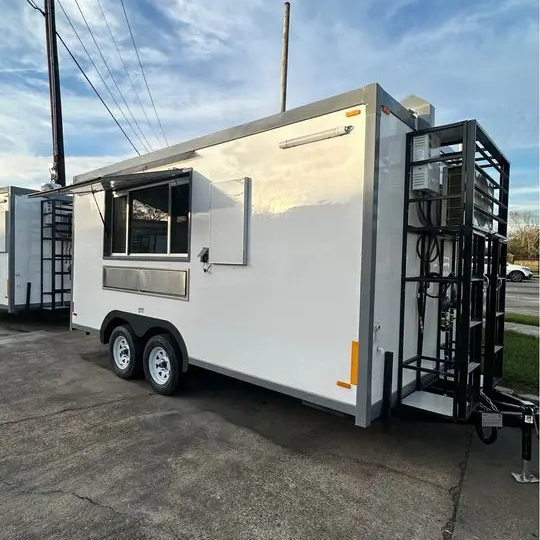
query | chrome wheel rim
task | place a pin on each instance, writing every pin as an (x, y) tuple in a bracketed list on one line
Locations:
[(121, 352), (159, 365)]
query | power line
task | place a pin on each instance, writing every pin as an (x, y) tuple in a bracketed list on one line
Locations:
[(100, 75), (34, 6), (110, 73), (97, 93), (142, 71), (126, 70)]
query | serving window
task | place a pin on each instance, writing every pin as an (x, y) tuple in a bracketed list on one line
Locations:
[(151, 220)]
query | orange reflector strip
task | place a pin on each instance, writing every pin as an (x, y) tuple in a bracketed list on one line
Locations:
[(385, 109), (344, 384), (354, 362), (354, 112)]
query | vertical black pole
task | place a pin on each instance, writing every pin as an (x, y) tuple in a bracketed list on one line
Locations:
[(285, 55), (463, 345), (28, 292), (387, 389), (54, 89), (53, 255)]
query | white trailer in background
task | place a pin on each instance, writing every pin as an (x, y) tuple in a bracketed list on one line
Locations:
[(272, 252), (35, 251)]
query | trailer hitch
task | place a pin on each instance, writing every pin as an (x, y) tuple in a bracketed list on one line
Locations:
[(513, 411)]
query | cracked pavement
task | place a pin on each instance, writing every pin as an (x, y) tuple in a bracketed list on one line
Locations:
[(86, 455)]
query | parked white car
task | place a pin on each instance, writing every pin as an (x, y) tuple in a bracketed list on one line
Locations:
[(515, 272)]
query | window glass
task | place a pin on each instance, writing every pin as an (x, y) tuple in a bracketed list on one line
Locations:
[(119, 223), (180, 218), (149, 220)]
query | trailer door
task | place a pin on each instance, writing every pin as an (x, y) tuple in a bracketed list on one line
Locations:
[(4, 272)]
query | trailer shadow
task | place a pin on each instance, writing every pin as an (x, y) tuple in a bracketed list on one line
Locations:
[(305, 429), (34, 320), (413, 446)]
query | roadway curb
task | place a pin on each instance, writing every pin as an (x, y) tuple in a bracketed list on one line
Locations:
[(529, 397), (525, 329)]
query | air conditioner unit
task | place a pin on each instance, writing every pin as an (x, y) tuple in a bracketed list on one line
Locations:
[(453, 212), (426, 178), (480, 219)]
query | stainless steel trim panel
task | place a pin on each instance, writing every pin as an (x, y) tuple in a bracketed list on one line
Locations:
[(170, 283), (368, 261), (147, 258), (378, 99)]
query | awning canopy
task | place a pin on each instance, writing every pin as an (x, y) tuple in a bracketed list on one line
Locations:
[(116, 182)]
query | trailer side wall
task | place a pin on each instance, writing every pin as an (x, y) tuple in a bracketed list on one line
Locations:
[(390, 205), (4, 250), (287, 319), (26, 250)]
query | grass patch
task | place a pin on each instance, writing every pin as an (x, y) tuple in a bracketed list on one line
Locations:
[(520, 362), (520, 318)]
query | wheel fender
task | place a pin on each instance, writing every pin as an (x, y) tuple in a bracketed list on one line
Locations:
[(141, 325)]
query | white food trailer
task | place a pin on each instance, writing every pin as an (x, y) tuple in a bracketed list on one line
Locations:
[(286, 252), (35, 251)]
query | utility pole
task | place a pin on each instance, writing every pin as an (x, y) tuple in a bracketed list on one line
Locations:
[(285, 55), (56, 100)]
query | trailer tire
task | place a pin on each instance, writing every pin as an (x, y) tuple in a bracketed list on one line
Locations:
[(125, 353), (162, 364)]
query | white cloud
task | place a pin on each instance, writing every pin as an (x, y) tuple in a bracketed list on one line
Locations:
[(215, 63), (526, 207), (525, 190), (29, 171)]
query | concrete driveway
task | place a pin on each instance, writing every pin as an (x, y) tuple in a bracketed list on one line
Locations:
[(84, 455)]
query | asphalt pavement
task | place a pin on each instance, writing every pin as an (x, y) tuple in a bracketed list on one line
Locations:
[(89, 456), (492, 505), (523, 297)]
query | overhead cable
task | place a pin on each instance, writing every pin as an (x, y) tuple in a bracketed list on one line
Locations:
[(110, 72), (143, 109), (101, 76), (142, 71)]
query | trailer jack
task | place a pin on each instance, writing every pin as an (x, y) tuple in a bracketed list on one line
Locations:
[(513, 411), (529, 415)]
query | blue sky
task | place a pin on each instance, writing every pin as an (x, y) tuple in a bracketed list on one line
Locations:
[(215, 63)]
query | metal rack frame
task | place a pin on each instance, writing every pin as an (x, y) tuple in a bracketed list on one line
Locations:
[(467, 350), (56, 240)]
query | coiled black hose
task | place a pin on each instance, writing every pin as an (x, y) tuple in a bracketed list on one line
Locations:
[(480, 431)]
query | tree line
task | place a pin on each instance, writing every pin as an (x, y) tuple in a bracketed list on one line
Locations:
[(523, 235)]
